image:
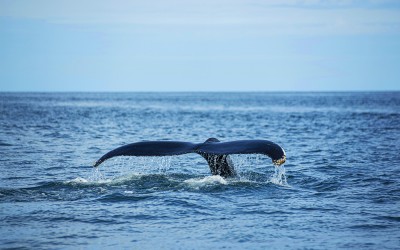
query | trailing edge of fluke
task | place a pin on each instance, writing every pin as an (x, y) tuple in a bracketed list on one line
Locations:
[(215, 152)]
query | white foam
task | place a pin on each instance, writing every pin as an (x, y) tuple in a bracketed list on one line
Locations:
[(77, 180), (209, 180), (122, 179)]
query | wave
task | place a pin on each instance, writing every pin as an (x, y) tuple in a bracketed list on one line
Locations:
[(206, 181)]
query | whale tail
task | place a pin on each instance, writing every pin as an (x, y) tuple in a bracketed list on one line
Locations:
[(220, 164), (215, 152)]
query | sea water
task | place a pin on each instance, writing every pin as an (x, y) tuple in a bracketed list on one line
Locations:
[(339, 188)]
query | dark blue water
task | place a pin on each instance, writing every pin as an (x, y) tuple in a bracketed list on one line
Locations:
[(339, 188)]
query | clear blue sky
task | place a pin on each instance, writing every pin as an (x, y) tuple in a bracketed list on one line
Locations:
[(201, 45)]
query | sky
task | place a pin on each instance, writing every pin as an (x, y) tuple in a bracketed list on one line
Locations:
[(200, 45)]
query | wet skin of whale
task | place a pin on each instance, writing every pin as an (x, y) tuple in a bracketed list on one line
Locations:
[(215, 152)]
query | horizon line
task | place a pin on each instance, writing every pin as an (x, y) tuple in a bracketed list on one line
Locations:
[(203, 91)]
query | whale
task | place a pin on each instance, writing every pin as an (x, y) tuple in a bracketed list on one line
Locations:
[(216, 153)]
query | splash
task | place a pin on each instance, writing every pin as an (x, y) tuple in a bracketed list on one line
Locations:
[(252, 167), (96, 176), (256, 167), (126, 166), (146, 165), (206, 181), (77, 180), (279, 176)]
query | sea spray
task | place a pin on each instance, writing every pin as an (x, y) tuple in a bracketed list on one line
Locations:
[(279, 176), (249, 167), (122, 166)]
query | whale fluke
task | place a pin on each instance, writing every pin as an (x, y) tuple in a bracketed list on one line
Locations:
[(215, 152)]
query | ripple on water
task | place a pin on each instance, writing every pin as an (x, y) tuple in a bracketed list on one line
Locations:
[(338, 189)]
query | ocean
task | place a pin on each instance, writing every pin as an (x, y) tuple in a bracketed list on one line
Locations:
[(339, 187)]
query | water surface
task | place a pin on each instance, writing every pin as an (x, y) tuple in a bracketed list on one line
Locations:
[(340, 186)]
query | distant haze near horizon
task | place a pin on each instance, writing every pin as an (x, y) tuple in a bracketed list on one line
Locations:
[(219, 45)]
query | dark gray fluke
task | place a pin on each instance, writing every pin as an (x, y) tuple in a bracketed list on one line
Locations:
[(215, 152)]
